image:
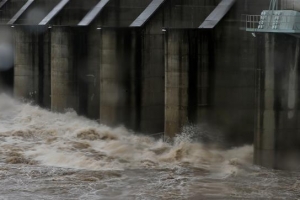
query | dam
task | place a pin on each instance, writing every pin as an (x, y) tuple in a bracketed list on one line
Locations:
[(149, 99), (155, 66)]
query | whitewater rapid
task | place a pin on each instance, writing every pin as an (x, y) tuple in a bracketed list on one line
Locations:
[(36, 136), (46, 155)]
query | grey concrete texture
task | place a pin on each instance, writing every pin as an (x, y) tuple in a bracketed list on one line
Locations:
[(176, 81), (119, 78), (191, 87), (223, 99), (277, 119), (32, 65), (152, 76), (25, 74), (92, 74), (233, 86), (45, 47), (75, 70), (86, 58), (281, 159), (64, 81)]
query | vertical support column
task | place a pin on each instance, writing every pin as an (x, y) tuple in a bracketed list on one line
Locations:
[(92, 74), (153, 82), (176, 81), (32, 65), (200, 98), (119, 78), (265, 130), (26, 78), (44, 51), (277, 135), (64, 81), (80, 64)]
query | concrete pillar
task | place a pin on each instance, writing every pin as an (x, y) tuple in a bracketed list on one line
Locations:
[(277, 135), (45, 68), (231, 107), (264, 147), (176, 81), (120, 78), (87, 62), (153, 73), (200, 75), (32, 65), (93, 72), (26, 65), (188, 78), (175, 14), (64, 80)]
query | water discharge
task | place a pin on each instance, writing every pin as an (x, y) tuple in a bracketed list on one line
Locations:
[(47, 155)]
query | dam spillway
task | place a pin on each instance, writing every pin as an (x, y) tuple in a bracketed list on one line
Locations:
[(154, 66)]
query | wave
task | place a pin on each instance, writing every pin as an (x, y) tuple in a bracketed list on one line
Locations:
[(35, 136)]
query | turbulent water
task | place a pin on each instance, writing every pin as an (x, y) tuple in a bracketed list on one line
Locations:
[(47, 155)]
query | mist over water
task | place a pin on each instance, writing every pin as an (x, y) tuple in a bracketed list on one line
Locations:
[(47, 155)]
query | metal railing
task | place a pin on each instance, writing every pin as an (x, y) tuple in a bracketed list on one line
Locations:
[(271, 22)]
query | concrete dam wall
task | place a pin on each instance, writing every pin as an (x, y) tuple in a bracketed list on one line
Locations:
[(154, 66)]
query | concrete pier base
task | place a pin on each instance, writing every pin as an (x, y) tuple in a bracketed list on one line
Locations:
[(44, 50), (188, 70), (152, 78), (120, 78), (176, 81), (93, 73), (64, 80), (277, 140), (26, 66), (32, 65)]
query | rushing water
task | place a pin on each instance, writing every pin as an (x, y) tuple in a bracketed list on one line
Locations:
[(47, 155)]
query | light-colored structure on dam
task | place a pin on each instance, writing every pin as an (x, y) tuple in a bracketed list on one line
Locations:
[(158, 65), (277, 130)]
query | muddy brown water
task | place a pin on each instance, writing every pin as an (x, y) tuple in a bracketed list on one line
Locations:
[(47, 155)]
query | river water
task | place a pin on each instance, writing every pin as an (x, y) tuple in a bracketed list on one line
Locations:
[(47, 155)]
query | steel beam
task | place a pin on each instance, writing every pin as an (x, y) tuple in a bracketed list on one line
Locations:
[(20, 12), (93, 13), (2, 3), (54, 12), (217, 14), (147, 13)]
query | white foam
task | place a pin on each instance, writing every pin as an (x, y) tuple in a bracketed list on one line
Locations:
[(68, 140)]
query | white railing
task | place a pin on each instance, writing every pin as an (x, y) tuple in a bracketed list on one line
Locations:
[(271, 22)]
